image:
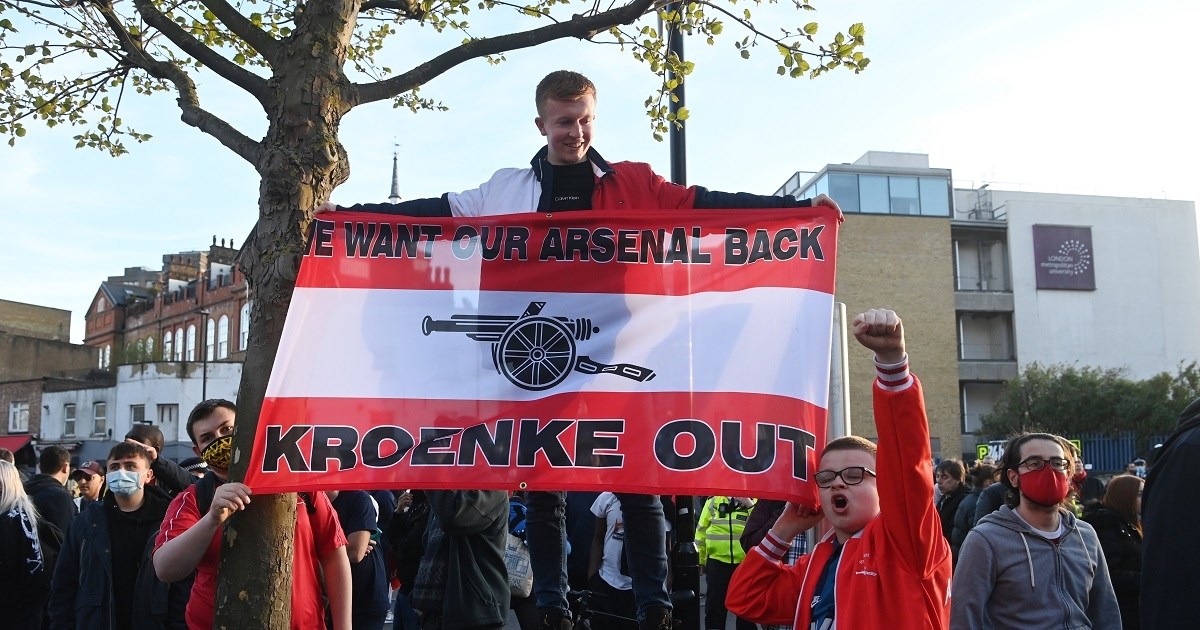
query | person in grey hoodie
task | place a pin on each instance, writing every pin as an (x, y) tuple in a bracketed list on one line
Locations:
[(1031, 564)]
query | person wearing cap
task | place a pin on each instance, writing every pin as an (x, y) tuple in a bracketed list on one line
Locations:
[(194, 466), (89, 477)]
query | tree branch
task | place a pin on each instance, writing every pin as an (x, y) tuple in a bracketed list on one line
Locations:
[(578, 27), (253, 84), (188, 101), (410, 9), (241, 26)]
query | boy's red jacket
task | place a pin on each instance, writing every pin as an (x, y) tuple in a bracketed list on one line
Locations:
[(893, 574)]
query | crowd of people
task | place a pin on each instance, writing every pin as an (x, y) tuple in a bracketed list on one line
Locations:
[(903, 543)]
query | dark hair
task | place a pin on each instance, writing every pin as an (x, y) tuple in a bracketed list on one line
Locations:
[(562, 85), (1012, 458), (980, 474), (851, 443), (124, 450), (952, 467), (147, 434), (204, 410), (52, 459), (7, 456)]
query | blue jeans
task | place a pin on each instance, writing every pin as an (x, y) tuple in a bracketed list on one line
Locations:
[(645, 549)]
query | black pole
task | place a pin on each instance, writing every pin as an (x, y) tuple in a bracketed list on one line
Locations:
[(685, 560), (204, 315)]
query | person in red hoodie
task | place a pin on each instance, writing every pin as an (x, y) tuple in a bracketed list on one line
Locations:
[(884, 562)]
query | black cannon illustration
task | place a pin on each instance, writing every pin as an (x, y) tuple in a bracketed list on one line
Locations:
[(533, 351)]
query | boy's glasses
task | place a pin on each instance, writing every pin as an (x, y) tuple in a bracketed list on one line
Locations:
[(852, 475)]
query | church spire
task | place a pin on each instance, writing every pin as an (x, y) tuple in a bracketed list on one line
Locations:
[(395, 196)]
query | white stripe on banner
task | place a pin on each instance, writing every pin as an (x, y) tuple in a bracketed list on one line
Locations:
[(372, 343)]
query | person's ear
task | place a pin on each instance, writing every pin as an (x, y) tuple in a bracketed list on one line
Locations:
[(1013, 477), (540, 125), (149, 475)]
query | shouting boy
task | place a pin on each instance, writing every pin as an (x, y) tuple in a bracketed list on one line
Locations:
[(884, 562)]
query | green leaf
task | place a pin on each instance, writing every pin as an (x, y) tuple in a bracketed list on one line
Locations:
[(857, 30), (811, 28), (745, 54)]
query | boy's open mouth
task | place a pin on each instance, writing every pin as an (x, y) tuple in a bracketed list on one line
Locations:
[(839, 502)]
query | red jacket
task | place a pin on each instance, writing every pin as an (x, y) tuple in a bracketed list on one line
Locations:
[(893, 574)]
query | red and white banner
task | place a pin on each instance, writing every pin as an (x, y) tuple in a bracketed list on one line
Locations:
[(659, 352)]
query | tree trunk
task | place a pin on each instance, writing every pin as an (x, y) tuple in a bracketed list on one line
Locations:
[(302, 162)]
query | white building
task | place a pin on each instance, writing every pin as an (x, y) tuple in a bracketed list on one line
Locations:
[(159, 393)]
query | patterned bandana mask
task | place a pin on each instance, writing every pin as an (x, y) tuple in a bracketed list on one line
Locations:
[(219, 452)]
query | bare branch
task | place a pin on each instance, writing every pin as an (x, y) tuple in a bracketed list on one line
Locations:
[(241, 26), (226, 69), (188, 101), (581, 27)]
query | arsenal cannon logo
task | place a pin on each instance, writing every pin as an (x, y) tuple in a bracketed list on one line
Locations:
[(532, 351)]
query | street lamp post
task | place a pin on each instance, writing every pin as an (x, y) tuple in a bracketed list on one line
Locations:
[(204, 314)]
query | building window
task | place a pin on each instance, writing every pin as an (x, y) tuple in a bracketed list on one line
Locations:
[(223, 337), (843, 187), (903, 195), (180, 342), (210, 339), (150, 350), (244, 327), (978, 400), (99, 418), (18, 417), (105, 356), (68, 420), (168, 348), (873, 193), (141, 352), (981, 265), (190, 350), (935, 197), (168, 416), (101, 304), (137, 414), (985, 337)]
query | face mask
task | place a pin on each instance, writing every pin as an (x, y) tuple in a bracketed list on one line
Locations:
[(124, 482), (219, 452), (1046, 486)]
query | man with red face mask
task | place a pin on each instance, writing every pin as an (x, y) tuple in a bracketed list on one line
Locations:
[(1031, 564)]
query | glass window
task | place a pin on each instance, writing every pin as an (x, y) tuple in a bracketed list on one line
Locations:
[(150, 349), (210, 339), (180, 343), (935, 197), (843, 188), (190, 350), (99, 418), (68, 420), (223, 337), (244, 327), (821, 187), (904, 196), (106, 357), (167, 415), (873, 193), (18, 417), (168, 347), (137, 414)]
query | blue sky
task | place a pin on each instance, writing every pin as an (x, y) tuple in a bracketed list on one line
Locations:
[(1060, 96)]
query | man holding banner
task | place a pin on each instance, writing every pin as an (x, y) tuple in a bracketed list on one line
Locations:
[(568, 174), (885, 563)]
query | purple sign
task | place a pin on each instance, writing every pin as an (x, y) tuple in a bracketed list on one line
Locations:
[(1063, 257)]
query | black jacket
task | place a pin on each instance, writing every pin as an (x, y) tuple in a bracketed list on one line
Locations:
[(471, 529), (81, 593), (171, 477), (948, 505), (964, 520), (52, 500), (762, 518), (1122, 544)]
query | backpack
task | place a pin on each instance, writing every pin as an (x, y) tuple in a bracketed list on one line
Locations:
[(50, 538)]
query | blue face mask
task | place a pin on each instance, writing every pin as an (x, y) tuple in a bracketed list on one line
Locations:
[(123, 482)]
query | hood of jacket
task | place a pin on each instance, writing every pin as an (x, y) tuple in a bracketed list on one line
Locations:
[(1027, 537), (156, 500)]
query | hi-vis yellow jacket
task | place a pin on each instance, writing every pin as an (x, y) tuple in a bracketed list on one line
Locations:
[(721, 523)]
